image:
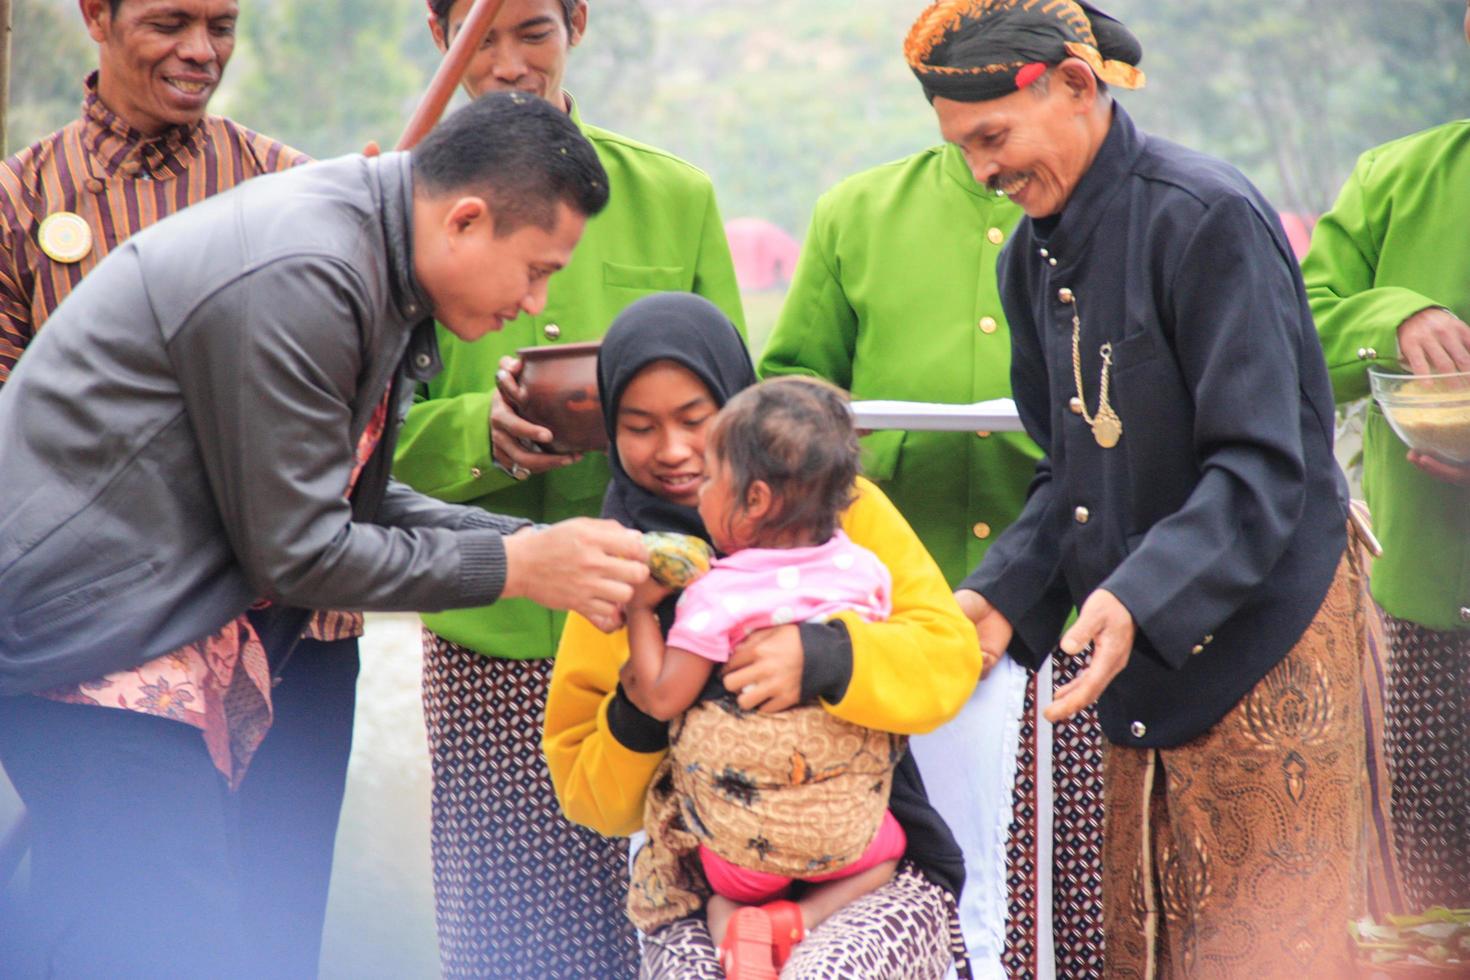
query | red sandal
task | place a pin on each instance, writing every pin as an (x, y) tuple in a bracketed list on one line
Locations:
[(746, 951), (787, 928)]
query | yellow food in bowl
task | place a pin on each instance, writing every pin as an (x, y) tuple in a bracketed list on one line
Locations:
[(1438, 428)]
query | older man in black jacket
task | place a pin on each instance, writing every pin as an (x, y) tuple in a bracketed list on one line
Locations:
[(196, 450), (1188, 503)]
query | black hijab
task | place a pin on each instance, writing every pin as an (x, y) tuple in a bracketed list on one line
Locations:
[(688, 330)]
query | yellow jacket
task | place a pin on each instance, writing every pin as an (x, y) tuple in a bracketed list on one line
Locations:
[(910, 674)]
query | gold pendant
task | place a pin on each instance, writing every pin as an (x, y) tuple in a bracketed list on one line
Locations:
[(65, 237), (1107, 428)]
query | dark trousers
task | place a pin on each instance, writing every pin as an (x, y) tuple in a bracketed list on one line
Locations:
[(143, 863)]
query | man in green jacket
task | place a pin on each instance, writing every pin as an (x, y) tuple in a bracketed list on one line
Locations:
[(507, 866), (1388, 282), (895, 297)]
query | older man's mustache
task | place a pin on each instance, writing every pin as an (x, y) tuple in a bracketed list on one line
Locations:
[(1007, 182)]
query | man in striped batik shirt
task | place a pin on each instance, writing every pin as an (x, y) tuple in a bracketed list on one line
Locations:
[(145, 147)]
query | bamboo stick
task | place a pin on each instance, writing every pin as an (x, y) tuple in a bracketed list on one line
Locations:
[(451, 71)]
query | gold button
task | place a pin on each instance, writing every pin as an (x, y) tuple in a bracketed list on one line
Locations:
[(552, 331), (1209, 638), (988, 324), (982, 530), (996, 236), (1065, 295), (1075, 405), (983, 434), (1198, 649), (1082, 515), (1372, 354), (475, 472)]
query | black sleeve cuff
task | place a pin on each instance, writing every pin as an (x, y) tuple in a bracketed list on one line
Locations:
[(826, 661), (632, 728)]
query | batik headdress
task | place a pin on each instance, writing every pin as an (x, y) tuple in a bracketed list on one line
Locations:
[(975, 50)]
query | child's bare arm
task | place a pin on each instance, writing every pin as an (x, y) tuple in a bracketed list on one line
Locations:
[(661, 680), (666, 680)]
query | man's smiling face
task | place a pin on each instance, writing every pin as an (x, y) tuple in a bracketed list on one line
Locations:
[(1032, 144), (160, 61)]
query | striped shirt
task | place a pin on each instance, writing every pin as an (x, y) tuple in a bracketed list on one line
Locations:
[(119, 182)]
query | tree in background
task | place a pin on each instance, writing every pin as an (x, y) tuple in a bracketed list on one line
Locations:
[(50, 54), (1291, 91), (779, 99), (326, 76)]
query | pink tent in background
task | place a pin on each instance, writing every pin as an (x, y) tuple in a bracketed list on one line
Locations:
[(764, 254), (1298, 230)]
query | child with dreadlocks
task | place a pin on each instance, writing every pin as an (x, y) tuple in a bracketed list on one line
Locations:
[(758, 800)]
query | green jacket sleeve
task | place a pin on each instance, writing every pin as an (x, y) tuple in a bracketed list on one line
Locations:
[(1358, 321), (816, 333), (444, 448), (714, 271)]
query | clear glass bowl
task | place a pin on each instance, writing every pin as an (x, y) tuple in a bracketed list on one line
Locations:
[(1430, 412)]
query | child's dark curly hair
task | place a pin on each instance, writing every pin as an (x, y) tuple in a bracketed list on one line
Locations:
[(796, 435)]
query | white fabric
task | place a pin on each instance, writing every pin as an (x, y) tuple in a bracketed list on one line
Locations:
[(969, 770)]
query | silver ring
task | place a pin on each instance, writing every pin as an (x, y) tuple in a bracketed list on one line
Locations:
[(519, 472)]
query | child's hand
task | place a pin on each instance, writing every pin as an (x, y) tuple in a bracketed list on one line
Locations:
[(648, 594)]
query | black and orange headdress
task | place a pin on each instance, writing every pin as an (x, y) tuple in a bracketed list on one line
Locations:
[(975, 50)]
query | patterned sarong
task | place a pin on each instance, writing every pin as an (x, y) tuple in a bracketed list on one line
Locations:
[(1238, 854)]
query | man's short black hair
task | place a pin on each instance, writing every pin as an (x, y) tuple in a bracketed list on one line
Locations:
[(441, 10), (519, 153)]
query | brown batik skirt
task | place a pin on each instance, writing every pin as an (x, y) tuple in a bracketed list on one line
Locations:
[(1238, 854)]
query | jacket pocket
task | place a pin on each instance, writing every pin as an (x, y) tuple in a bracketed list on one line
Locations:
[(59, 606), (1136, 349), (645, 278)]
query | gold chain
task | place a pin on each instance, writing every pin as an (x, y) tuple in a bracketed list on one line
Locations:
[(1107, 427)]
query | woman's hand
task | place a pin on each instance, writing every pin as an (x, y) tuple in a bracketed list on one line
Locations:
[(765, 669), (993, 629), (1440, 470), (510, 435)]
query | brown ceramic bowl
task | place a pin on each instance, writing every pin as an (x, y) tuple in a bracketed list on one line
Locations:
[(561, 394)]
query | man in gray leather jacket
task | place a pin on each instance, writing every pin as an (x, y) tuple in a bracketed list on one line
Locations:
[(196, 451)]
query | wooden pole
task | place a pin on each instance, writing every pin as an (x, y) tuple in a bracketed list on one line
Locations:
[(451, 71), (4, 73)]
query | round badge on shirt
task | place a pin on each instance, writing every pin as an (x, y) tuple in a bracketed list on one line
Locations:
[(65, 237)]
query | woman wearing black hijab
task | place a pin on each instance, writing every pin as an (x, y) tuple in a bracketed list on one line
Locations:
[(667, 363)]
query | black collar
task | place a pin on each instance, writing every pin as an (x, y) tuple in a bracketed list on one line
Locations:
[(1109, 169), (394, 176)]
